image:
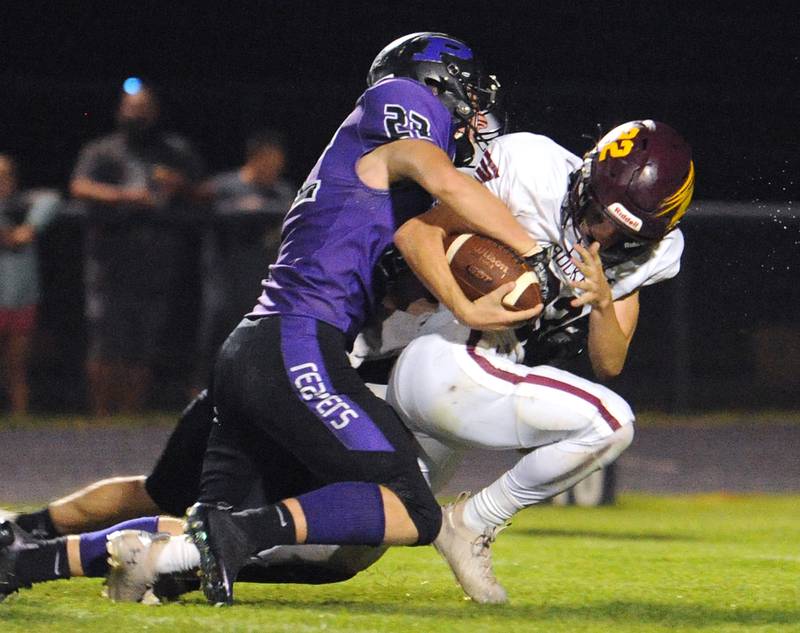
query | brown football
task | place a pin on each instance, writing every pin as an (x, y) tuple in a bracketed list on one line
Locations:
[(481, 264)]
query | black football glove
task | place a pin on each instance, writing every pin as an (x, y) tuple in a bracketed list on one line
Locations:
[(558, 346)]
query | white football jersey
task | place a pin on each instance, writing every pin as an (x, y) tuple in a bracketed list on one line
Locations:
[(530, 173)]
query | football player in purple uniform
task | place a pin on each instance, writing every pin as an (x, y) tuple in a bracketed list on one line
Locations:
[(294, 424), (301, 451)]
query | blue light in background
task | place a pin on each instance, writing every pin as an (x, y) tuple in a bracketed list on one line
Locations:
[(132, 85)]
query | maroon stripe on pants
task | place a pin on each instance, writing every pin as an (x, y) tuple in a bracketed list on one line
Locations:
[(542, 381)]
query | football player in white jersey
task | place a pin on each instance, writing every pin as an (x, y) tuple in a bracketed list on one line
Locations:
[(500, 402), (610, 222)]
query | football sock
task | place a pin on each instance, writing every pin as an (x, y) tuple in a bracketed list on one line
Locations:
[(179, 554), (266, 526), (93, 544), (491, 507), (539, 475), (38, 524), (43, 561), (345, 513)]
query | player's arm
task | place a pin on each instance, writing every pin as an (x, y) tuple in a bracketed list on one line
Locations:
[(94, 191), (611, 323), (421, 241), (430, 167)]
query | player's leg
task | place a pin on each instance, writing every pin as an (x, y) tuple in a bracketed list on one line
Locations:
[(437, 461), (97, 505), (317, 409), (578, 426), (484, 400), (441, 402), (25, 560), (310, 564), (172, 486), (471, 524), (462, 398), (100, 504)]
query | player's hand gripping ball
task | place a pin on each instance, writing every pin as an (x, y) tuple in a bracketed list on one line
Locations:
[(481, 264)]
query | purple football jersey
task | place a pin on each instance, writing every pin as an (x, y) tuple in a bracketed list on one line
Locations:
[(338, 227)]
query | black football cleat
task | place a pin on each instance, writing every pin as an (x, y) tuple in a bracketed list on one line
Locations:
[(223, 549), (13, 539)]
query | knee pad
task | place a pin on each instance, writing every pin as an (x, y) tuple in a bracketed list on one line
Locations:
[(427, 518)]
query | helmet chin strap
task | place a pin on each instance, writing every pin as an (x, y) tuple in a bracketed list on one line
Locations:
[(618, 254)]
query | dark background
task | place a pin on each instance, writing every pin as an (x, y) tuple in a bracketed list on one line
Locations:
[(725, 77)]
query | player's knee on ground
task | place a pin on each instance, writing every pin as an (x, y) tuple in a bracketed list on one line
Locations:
[(348, 560), (311, 564)]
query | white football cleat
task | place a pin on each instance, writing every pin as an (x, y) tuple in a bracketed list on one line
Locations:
[(132, 565), (468, 554)]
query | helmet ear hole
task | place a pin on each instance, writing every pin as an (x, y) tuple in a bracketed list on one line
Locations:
[(432, 83)]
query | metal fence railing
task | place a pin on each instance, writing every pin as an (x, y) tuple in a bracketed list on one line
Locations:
[(725, 333)]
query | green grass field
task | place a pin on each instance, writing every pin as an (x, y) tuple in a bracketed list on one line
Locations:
[(683, 563)]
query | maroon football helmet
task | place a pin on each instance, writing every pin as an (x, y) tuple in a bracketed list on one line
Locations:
[(633, 189)]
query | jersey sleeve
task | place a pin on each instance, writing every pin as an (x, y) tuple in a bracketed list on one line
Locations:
[(663, 263), (397, 109)]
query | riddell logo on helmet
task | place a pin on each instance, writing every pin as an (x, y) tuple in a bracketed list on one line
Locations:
[(626, 217)]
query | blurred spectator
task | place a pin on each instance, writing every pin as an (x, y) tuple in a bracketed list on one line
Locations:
[(138, 186), (248, 205), (23, 216)]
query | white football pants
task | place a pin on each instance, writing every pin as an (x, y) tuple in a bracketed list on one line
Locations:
[(454, 397)]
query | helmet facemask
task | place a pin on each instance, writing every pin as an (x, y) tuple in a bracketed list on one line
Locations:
[(591, 222), (473, 133), (473, 140)]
